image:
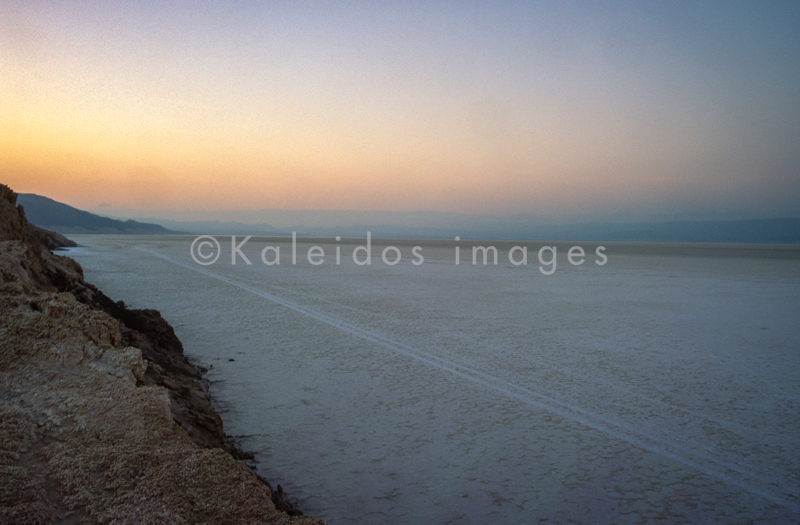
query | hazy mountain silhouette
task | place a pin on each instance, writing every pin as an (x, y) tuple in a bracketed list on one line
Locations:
[(782, 231), (59, 217), (778, 231), (53, 215)]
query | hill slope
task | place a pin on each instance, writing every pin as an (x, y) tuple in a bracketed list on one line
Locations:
[(53, 215)]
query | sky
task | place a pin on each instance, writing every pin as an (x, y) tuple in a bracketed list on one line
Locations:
[(174, 109)]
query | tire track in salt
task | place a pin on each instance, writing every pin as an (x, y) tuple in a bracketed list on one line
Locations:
[(713, 467)]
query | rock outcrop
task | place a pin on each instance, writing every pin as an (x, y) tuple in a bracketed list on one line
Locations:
[(49, 239), (102, 417)]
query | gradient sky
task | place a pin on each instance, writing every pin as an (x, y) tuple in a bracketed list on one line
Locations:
[(550, 107)]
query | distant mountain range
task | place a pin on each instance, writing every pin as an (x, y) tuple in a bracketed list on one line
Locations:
[(53, 215), (780, 231), (61, 218)]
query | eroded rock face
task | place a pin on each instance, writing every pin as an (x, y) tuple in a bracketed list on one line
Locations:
[(102, 418), (50, 239)]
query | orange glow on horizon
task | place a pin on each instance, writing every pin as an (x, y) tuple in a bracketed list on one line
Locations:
[(102, 105)]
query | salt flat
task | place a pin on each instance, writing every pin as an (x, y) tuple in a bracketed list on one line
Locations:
[(662, 386)]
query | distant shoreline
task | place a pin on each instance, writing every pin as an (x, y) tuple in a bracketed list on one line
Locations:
[(64, 219), (687, 249)]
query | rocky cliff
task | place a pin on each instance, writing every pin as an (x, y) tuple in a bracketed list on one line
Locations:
[(50, 239), (102, 417)]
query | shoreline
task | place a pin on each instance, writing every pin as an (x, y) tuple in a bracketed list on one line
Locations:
[(104, 417)]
